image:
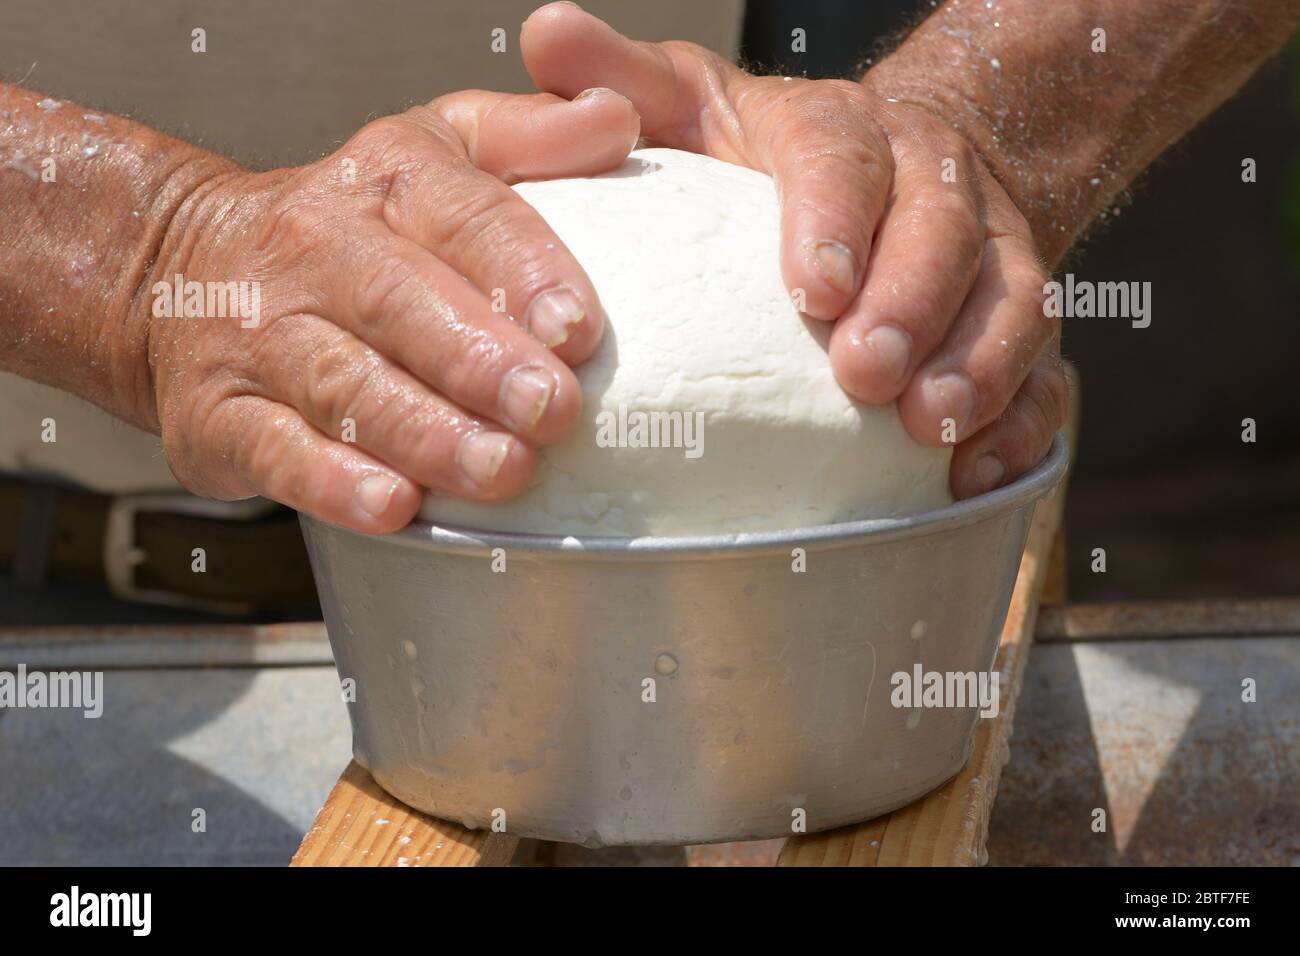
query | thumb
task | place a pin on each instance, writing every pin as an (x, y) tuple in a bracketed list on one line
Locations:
[(542, 136), (565, 49)]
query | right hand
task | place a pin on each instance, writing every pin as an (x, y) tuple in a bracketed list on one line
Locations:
[(378, 268)]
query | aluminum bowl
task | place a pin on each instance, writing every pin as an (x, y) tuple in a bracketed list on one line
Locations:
[(521, 696)]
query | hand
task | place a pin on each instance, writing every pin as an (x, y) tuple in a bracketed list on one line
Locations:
[(932, 279), (378, 364)]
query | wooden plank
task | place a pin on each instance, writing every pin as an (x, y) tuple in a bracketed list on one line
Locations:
[(1146, 620), (362, 825), (1055, 585)]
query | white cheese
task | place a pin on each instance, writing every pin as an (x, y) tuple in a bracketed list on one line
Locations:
[(683, 250)]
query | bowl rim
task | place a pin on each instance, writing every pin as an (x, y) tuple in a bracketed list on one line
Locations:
[(1035, 484)]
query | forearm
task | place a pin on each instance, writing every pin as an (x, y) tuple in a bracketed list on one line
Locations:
[(1065, 129), (85, 200)]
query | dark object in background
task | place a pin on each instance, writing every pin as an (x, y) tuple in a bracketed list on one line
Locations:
[(1164, 483), (839, 36)]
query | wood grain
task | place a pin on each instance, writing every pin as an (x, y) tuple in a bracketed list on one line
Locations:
[(361, 825)]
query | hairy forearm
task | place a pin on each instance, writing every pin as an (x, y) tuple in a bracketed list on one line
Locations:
[(85, 200), (1064, 128)]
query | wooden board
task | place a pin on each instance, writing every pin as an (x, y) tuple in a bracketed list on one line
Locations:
[(361, 825)]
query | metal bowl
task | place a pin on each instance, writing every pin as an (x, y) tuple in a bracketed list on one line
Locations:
[(611, 691)]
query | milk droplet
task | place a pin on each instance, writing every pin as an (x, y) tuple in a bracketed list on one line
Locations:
[(665, 664)]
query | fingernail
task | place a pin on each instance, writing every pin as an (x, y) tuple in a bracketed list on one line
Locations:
[(525, 394), (892, 348), (835, 265), (553, 315), (481, 455), (989, 471), (594, 91), (374, 493), (955, 394)]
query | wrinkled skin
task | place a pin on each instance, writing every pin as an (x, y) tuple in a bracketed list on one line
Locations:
[(379, 365)]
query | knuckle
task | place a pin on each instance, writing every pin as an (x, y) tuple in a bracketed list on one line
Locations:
[(264, 458), (296, 224), (409, 179), (685, 48), (381, 141), (828, 111), (531, 273), (390, 287), (1056, 395), (956, 209), (281, 465), (1042, 410), (470, 212), (922, 309), (336, 380), (851, 161), (1026, 281), (198, 446), (473, 365), (951, 143), (847, 88)]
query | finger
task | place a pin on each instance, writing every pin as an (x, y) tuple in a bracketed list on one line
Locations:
[(833, 170), (566, 50), (486, 232), (353, 394), (421, 313), (1018, 439), (279, 456), (997, 336), (926, 259), (542, 136), (831, 163)]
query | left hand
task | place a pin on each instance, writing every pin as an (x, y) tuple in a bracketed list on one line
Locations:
[(891, 226)]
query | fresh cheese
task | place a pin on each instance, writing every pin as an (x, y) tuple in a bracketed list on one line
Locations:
[(710, 406)]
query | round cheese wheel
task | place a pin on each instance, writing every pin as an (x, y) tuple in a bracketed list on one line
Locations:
[(710, 406)]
